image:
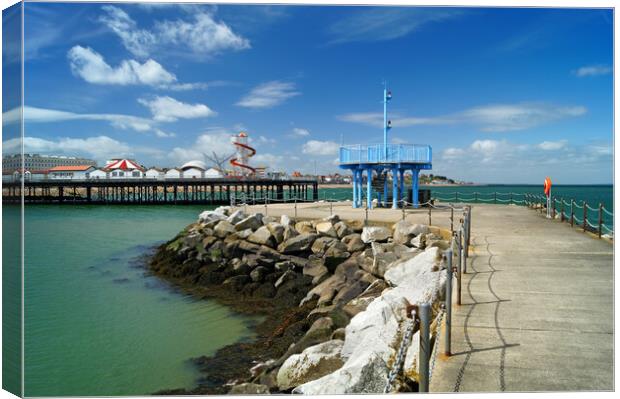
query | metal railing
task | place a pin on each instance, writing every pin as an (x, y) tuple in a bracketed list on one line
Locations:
[(588, 218), (390, 153)]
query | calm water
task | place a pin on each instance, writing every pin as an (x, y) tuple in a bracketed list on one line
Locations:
[(95, 324), (593, 195)]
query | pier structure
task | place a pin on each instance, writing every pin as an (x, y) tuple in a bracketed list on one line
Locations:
[(382, 160), (167, 191)]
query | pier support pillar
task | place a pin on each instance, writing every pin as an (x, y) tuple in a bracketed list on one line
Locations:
[(369, 188), (395, 198), (385, 189), (360, 181), (401, 191), (414, 187), (355, 188)]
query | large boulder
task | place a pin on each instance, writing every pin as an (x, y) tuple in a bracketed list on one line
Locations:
[(289, 232), (277, 231), (223, 228), (314, 362), (408, 270), (210, 216), (305, 227), (325, 291), (342, 229), (375, 234), (300, 243), (285, 220), (321, 244), (251, 222), (236, 216), (248, 388), (404, 231), (335, 254), (262, 236), (354, 242), (326, 229)]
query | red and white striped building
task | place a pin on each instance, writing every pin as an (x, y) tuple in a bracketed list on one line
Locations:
[(123, 169)]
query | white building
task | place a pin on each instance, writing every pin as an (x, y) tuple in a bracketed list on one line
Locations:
[(154, 173), (78, 172), (213, 173), (98, 174), (124, 169), (172, 174)]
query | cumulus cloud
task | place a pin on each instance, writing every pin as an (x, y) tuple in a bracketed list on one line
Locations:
[(316, 147), (552, 145), (299, 132), (201, 35), (90, 66), (168, 109), (593, 70), (268, 95), (218, 140), (99, 147), (489, 118)]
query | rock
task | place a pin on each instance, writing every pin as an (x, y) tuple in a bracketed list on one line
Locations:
[(418, 241), (251, 222), (248, 388), (409, 270), (289, 232), (223, 228), (285, 220), (287, 276), (207, 241), (268, 219), (237, 282), (377, 264), (260, 367), (325, 291), (441, 244), (314, 362), (320, 331), (404, 231), (314, 268), (223, 210), (258, 274), (354, 242), (236, 217), (339, 333), (320, 244), (243, 234), (333, 219), (326, 229), (299, 243), (249, 247), (277, 231), (210, 216), (342, 229), (336, 253), (350, 291), (304, 227), (284, 266), (375, 233), (262, 236)]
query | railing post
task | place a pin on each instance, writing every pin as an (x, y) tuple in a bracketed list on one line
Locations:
[(331, 211), (572, 213), (429, 214), (448, 332), (458, 266), (561, 209), (600, 220), (403, 211), (425, 345), (585, 215), (468, 228), (295, 207), (266, 202), (366, 217), (553, 208), (451, 219)]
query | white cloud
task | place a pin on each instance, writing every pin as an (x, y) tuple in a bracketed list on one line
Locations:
[(268, 95), (552, 145), (316, 147), (99, 147), (593, 70), (202, 35), (216, 140), (168, 109), (489, 118), (90, 66), (299, 132), (373, 24)]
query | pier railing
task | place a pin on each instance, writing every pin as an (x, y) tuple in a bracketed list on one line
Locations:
[(380, 153), (597, 220)]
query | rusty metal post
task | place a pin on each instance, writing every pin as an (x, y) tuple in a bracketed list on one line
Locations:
[(448, 332), (425, 346), (600, 220), (585, 215)]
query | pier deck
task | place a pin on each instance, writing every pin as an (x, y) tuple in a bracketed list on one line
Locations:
[(537, 305)]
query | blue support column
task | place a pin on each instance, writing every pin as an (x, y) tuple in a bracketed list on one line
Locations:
[(385, 189), (395, 188), (402, 196), (360, 181), (354, 188), (369, 188), (414, 187)]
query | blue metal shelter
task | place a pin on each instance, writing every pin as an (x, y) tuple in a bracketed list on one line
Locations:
[(384, 159)]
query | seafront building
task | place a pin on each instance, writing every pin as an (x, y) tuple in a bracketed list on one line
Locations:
[(71, 172), (37, 162)]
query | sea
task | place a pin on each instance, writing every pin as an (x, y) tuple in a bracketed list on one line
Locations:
[(97, 324)]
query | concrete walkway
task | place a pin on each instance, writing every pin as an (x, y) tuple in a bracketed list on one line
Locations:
[(537, 301), (537, 308)]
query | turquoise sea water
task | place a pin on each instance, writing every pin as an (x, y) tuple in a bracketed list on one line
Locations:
[(95, 324)]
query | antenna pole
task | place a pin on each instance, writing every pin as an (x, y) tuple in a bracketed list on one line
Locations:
[(385, 126)]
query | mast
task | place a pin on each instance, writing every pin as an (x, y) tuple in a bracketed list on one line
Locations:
[(387, 96)]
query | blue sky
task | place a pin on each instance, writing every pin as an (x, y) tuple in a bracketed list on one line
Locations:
[(503, 95)]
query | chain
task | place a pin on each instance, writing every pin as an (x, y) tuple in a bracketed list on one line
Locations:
[(400, 356), (442, 311)]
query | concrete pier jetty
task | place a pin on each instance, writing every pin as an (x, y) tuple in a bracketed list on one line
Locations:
[(537, 300)]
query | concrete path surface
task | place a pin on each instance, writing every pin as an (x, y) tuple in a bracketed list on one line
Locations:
[(537, 308), (537, 301)]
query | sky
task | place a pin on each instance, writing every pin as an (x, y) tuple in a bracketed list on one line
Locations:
[(503, 95)]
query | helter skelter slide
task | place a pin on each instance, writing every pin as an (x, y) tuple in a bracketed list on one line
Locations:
[(244, 152)]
